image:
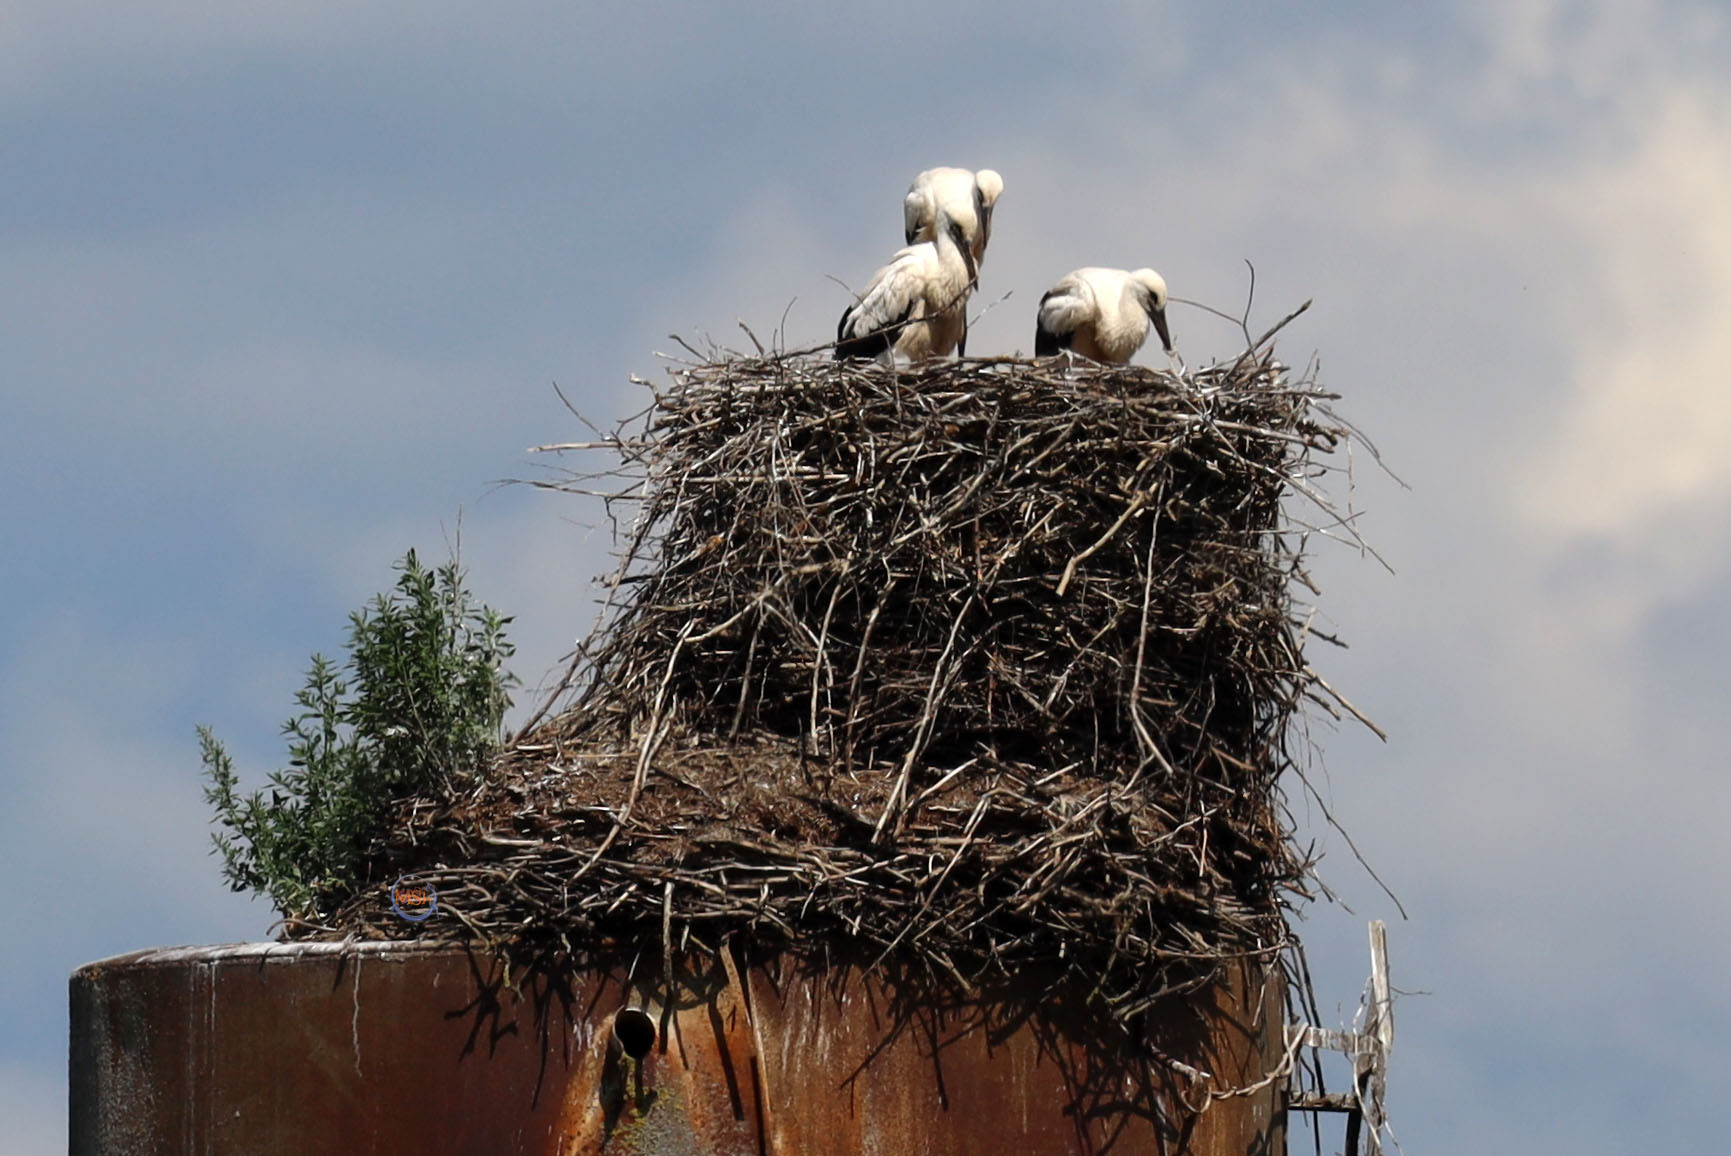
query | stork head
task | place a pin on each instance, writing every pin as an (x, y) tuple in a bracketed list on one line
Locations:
[(916, 212), (991, 186), (988, 187), (1151, 289), (958, 233)]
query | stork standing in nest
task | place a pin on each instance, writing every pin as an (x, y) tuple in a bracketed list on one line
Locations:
[(1102, 314), (914, 307), (968, 198)]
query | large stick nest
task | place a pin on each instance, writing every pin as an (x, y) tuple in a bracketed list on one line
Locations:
[(990, 665)]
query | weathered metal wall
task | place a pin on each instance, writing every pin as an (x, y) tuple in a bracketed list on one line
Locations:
[(389, 1048)]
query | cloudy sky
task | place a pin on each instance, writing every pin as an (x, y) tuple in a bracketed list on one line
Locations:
[(285, 289)]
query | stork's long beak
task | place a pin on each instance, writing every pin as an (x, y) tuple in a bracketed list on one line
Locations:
[(961, 240), (1158, 316)]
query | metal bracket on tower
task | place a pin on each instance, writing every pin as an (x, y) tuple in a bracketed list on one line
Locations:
[(1369, 1044)]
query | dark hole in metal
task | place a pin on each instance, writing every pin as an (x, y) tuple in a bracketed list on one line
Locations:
[(635, 1032)]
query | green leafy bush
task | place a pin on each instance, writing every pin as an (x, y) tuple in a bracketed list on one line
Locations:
[(419, 704)]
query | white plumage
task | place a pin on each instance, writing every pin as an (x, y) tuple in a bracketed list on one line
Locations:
[(966, 196), (915, 306), (1102, 314)]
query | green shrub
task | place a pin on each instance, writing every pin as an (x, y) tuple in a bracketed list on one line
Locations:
[(419, 704)]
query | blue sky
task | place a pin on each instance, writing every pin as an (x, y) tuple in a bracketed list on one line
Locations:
[(284, 290)]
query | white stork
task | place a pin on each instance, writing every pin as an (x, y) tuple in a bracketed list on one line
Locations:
[(968, 198), (1102, 314), (914, 307)]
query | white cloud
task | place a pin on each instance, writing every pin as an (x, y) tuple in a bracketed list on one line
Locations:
[(1558, 53), (1645, 439)]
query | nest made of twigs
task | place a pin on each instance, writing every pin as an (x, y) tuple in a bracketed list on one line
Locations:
[(989, 664)]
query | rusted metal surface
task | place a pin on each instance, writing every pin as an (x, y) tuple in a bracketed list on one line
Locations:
[(386, 1048), (268, 1048), (851, 1066)]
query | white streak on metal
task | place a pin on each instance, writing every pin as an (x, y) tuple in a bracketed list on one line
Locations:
[(267, 952), (355, 1023), (197, 1054)]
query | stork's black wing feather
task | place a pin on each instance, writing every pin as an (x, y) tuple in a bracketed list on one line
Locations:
[(869, 344), (1047, 343)]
